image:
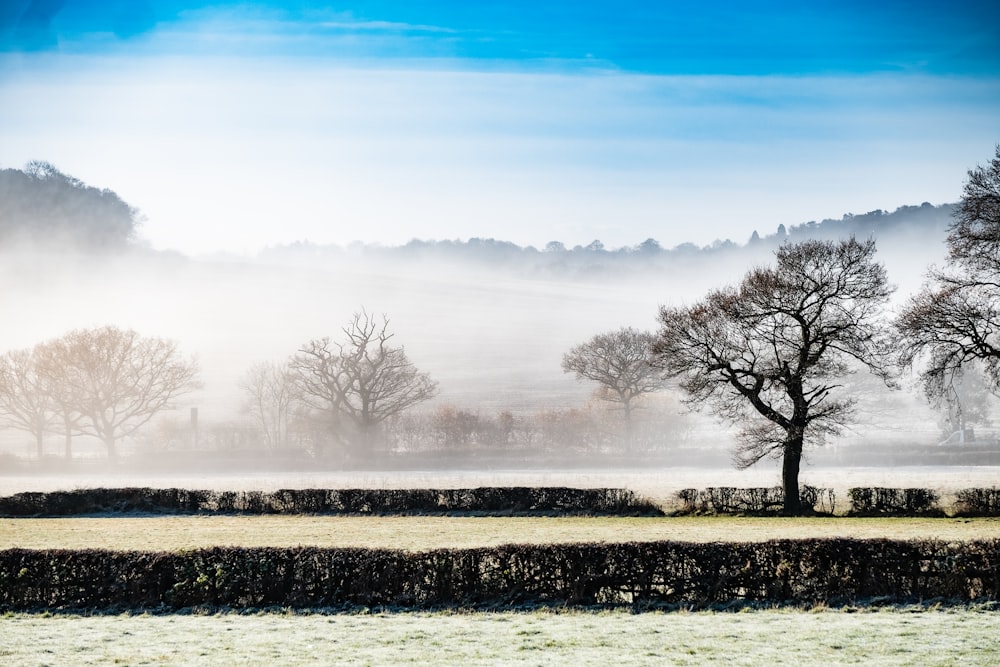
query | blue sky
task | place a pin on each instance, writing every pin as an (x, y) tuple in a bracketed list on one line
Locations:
[(237, 125)]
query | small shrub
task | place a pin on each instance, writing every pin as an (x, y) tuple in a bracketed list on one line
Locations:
[(881, 501), (978, 502), (754, 500)]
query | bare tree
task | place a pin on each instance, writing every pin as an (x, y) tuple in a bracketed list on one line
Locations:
[(113, 382), (24, 402), (955, 319), (766, 355), (271, 394), (621, 363), (361, 381)]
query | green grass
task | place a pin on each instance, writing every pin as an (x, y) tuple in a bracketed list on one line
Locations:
[(772, 637), (166, 533)]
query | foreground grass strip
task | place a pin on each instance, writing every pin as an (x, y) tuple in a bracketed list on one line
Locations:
[(418, 533), (824, 637)]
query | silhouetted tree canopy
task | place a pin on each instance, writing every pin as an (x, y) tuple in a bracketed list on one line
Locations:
[(766, 354), (953, 321), (43, 206)]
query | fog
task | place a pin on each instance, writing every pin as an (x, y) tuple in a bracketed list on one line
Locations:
[(492, 335), (490, 340)]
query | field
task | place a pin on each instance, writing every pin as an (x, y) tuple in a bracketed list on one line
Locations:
[(169, 533), (926, 635), (904, 636)]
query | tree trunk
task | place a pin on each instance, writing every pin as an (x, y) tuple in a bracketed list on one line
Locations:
[(69, 438), (112, 448), (39, 438), (790, 463), (628, 426)]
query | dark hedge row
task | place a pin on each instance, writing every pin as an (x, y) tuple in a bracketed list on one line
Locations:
[(978, 502), (865, 501), (756, 500), (838, 571), (486, 500), (880, 501)]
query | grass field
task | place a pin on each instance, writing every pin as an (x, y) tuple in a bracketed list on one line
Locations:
[(868, 635), (155, 533), (914, 636)]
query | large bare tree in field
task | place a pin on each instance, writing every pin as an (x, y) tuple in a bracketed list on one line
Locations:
[(360, 381), (115, 381), (954, 320), (25, 403), (620, 362), (271, 394), (766, 354)]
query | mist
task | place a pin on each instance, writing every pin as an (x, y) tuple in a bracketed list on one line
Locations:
[(491, 334)]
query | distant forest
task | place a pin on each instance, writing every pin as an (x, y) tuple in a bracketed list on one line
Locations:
[(906, 223), (43, 207)]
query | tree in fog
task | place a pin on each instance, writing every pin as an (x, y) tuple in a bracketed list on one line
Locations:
[(767, 354), (360, 381), (271, 394), (115, 381), (955, 319), (620, 362), (966, 404), (24, 402)]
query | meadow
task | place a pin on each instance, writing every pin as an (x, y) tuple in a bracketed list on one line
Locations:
[(420, 533), (885, 636), (930, 633)]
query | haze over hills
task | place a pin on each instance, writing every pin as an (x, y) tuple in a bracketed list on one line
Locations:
[(45, 208), (905, 227), (489, 320)]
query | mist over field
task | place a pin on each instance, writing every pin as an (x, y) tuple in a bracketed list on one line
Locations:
[(488, 321), (503, 184)]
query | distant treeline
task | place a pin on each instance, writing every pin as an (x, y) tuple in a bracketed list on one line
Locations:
[(905, 223), (44, 207)]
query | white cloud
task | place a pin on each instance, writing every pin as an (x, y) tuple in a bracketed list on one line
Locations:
[(383, 26)]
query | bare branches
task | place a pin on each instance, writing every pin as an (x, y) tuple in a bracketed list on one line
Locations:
[(360, 382), (24, 402), (271, 394), (765, 353), (621, 363), (974, 237), (110, 382), (955, 319)]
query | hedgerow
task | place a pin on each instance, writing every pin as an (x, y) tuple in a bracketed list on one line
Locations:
[(755, 500), (880, 501), (484, 500), (627, 574), (978, 502)]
